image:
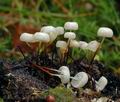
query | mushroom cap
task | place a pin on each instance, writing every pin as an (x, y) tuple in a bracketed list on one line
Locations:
[(71, 26), (105, 32), (83, 44), (101, 83), (60, 30), (93, 45), (74, 44), (40, 36), (70, 35), (61, 44), (27, 37), (65, 74), (79, 80), (51, 31), (48, 29)]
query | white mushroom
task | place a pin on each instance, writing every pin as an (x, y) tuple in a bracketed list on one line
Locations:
[(93, 46), (83, 44), (62, 45), (105, 32), (64, 74), (70, 35), (71, 26), (101, 83), (60, 30), (79, 80), (51, 31), (41, 37), (74, 43), (27, 37)]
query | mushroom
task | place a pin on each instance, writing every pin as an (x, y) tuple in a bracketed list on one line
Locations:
[(104, 32), (41, 38), (28, 38), (70, 35), (71, 26), (74, 43), (79, 80), (93, 46), (64, 74), (60, 30), (51, 31), (83, 44), (62, 45), (101, 83)]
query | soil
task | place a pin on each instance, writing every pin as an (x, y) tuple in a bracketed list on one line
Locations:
[(21, 81)]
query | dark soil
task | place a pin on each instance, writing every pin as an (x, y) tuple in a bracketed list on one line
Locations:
[(20, 81)]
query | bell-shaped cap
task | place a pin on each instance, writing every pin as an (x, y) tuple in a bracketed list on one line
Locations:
[(105, 32), (71, 26), (27, 37), (70, 35), (60, 30), (61, 44), (79, 80), (64, 74), (40, 36), (93, 46), (83, 44), (51, 31), (74, 43), (101, 83)]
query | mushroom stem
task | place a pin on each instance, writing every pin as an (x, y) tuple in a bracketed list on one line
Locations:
[(39, 46)]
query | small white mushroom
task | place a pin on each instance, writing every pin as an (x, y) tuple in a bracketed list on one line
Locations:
[(79, 80), (60, 30), (65, 74), (51, 31), (93, 46), (74, 43), (43, 37), (71, 26), (70, 35), (101, 83), (62, 45), (105, 32), (27, 37), (83, 44)]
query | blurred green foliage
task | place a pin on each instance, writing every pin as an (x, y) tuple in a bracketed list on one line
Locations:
[(90, 14)]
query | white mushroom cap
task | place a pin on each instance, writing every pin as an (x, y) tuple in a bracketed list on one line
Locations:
[(74, 44), (79, 80), (101, 83), (105, 32), (27, 37), (93, 45), (61, 44), (65, 74), (70, 35), (51, 31), (71, 26), (40, 36), (48, 29), (83, 44), (60, 30)]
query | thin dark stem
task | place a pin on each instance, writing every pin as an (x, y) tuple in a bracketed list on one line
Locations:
[(19, 48)]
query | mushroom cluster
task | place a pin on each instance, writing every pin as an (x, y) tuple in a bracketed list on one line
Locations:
[(49, 35)]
